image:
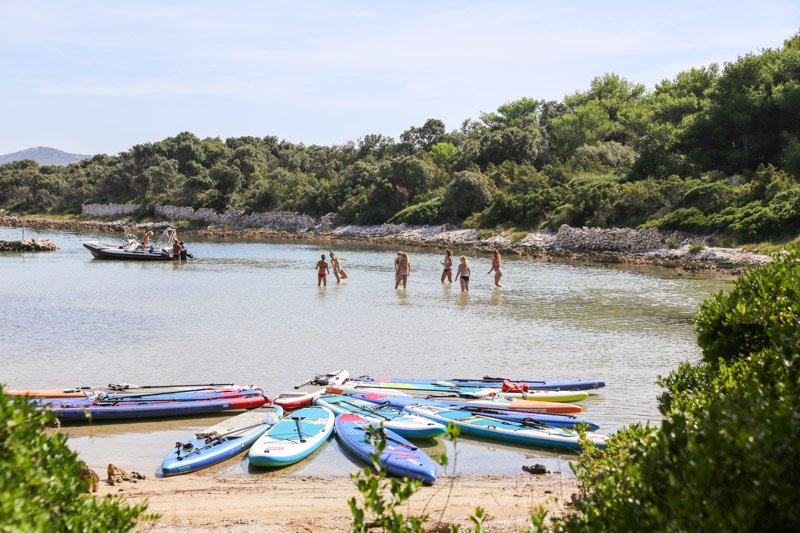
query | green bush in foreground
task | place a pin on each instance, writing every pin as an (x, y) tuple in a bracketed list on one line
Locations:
[(40, 487), (725, 457)]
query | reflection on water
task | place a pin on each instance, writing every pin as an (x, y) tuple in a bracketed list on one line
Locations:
[(251, 313)]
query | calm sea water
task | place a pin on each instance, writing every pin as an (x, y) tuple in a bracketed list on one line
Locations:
[(250, 312)]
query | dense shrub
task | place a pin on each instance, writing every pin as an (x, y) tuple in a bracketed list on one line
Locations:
[(725, 456), (40, 484), (603, 157), (422, 213), (466, 194)]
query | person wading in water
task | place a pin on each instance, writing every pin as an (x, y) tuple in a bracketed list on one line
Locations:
[(402, 269), (496, 267), (338, 271), (322, 271), (447, 272)]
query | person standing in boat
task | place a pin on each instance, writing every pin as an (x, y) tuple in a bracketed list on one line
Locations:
[(447, 272), (322, 271), (146, 241), (338, 271), (463, 274), (402, 269), (496, 267)]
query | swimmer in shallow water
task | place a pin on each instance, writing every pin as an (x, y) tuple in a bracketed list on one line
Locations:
[(402, 269), (336, 266), (463, 274), (322, 271), (496, 267), (447, 272)]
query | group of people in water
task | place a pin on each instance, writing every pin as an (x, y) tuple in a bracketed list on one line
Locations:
[(323, 268), (402, 269)]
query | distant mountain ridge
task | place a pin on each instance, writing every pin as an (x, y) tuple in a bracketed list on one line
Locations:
[(43, 155)]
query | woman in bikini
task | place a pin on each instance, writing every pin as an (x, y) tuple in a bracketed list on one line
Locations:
[(463, 274), (322, 271), (448, 266), (498, 271), (338, 271), (402, 269)]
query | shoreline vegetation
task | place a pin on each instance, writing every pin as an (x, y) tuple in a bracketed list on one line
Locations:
[(572, 245), (714, 151)]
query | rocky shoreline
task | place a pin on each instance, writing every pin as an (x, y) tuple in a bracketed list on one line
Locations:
[(578, 245), (32, 245)]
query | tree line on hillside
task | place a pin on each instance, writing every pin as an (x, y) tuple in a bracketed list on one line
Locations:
[(714, 150)]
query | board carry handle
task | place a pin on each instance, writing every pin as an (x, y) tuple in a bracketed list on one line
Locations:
[(298, 421)]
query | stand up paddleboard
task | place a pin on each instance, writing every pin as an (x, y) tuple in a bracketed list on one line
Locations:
[(294, 438), (400, 458), (221, 441)]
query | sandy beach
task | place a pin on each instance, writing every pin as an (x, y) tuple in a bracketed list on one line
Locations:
[(288, 504)]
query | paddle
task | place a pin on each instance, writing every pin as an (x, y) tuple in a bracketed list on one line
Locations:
[(77, 389), (459, 395), (145, 401), (527, 422), (245, 392), (368, 409), (489, 379), (479, 409), (213, 440), (126, 386)]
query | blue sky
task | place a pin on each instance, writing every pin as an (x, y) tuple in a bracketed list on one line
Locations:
[(92, 77)]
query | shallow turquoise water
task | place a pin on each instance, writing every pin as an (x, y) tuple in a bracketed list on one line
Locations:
[(250, 312)]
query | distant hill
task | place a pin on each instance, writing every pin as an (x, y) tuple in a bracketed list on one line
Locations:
[(44, 156)]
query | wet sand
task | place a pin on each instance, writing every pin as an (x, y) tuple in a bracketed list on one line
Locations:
[(287, 504)]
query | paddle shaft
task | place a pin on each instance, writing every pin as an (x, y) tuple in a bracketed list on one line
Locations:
[(169, 400), (361, 408), (124, 386), (524, 422), (479, 409), (149, 394)]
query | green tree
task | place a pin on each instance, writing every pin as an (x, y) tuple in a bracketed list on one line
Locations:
[(425, 136), (466, 194), (509, 144), (40, 484), (522, 113), (730, 422), (444, 154)]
